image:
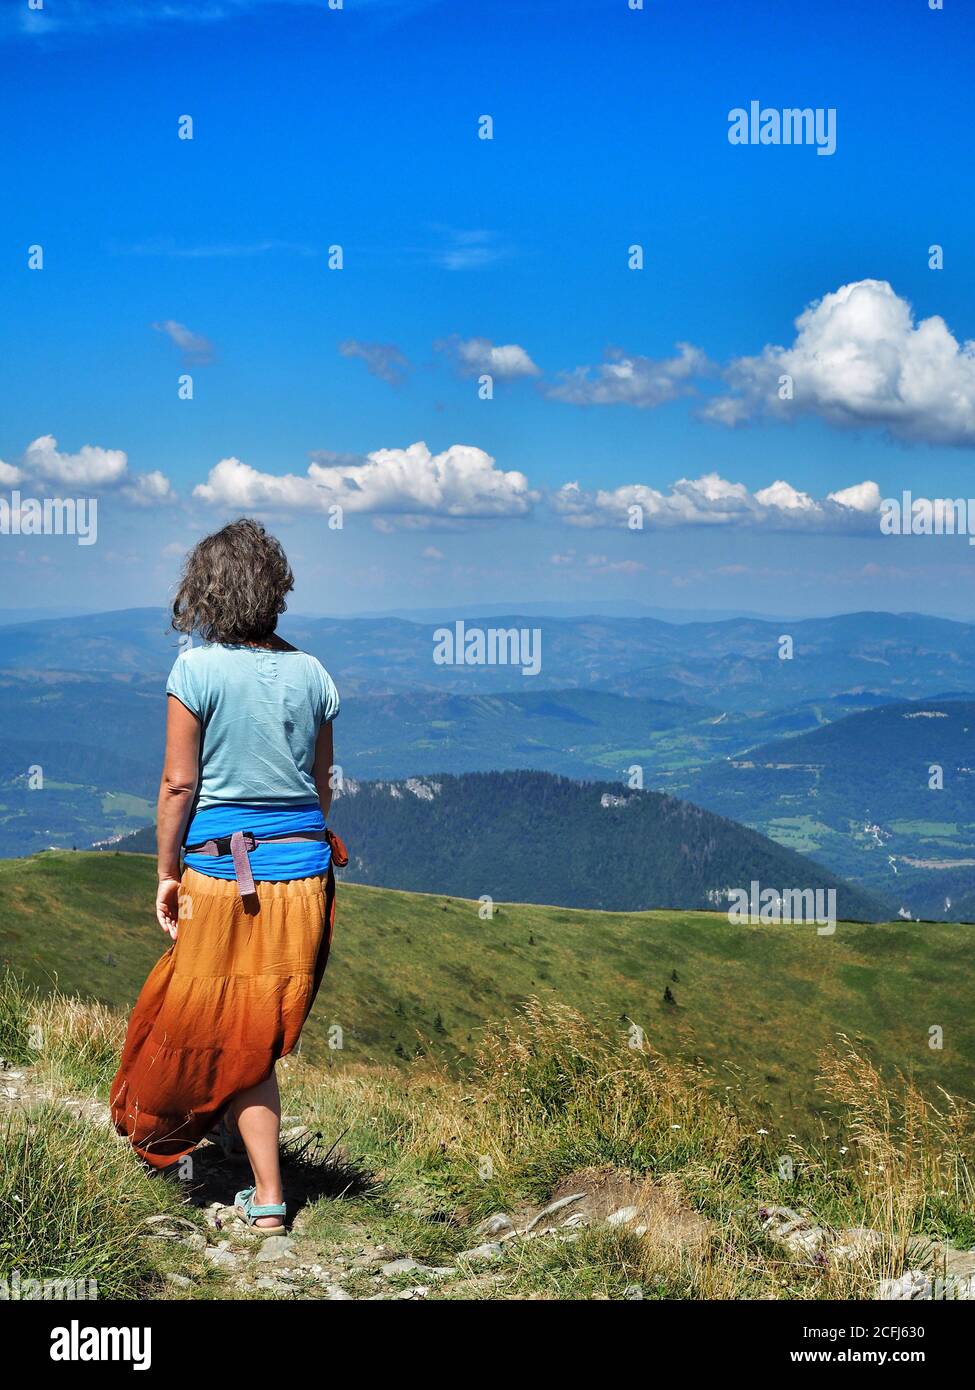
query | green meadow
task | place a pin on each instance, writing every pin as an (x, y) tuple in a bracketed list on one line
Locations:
[(421, 975)]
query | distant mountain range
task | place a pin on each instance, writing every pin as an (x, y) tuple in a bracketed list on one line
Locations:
[(535, 838), (885, 797), (602, 608), (98, 742), (18, 616), (732, 665), (820, 753)]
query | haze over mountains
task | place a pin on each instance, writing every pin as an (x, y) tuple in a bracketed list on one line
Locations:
[(827, 753), (733, 664)]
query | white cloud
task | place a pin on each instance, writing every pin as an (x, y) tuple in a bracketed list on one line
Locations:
[(785, 496), (859, 359), (862, 497), (474, 356), (232, 483), (431, 552), (91, 469), (714, 501), (460, 482), (91, 466), (627, 379), (193, 346), (9, 475)]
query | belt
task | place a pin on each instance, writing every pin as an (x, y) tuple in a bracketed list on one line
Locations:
[(241, 843)]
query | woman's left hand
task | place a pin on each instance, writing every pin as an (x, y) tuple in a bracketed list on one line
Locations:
[(167, 905)]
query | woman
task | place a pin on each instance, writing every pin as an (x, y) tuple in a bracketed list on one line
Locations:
[(246, 788)]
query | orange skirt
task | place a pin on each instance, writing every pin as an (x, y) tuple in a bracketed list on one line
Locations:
[(227, 999)]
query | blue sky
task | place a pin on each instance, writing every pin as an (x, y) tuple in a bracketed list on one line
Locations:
[(359, 127)]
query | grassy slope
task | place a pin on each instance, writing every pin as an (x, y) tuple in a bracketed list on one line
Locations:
[(765, 999), (552, 1103)]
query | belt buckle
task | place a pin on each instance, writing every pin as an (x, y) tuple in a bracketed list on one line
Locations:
[(250, 843)]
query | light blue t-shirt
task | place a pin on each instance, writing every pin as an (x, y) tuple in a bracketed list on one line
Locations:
[(261, 712)]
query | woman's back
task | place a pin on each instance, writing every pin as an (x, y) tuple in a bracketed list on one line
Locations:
[(260, 712), (246, 888)]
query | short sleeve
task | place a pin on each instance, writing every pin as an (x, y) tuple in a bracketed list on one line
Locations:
[(184, 686), (329, 703)]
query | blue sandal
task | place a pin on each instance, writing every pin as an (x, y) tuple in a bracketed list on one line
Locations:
[(246, 1208)]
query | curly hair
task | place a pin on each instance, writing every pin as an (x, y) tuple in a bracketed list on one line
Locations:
[(233, 585)]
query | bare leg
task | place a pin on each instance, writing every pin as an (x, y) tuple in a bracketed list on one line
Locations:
[(258, 1115)]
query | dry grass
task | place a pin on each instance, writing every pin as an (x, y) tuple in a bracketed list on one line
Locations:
[(77, 1043), (907, 1154), (551, 1094), (553, 1099)]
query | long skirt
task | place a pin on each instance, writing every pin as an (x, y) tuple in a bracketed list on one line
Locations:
[(226, 1000)]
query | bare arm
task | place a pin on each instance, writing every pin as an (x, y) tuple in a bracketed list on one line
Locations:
[(324, 762), (177, 788)]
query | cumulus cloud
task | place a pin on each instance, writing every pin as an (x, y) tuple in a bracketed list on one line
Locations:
[(9, 475), (714, 501), (477, 356), (860, 359), (92, 469), (461, 482), (195, 348), (91, 466), (862, 497), (628, 379), (382, 359), (784, 496)]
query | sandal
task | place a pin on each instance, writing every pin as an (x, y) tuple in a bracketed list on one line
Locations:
[(246, 1208)]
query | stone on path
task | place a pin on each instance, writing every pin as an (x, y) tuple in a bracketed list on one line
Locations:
[(488, 1251), (223, 1259), (498, 1224), (276, 1248)]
